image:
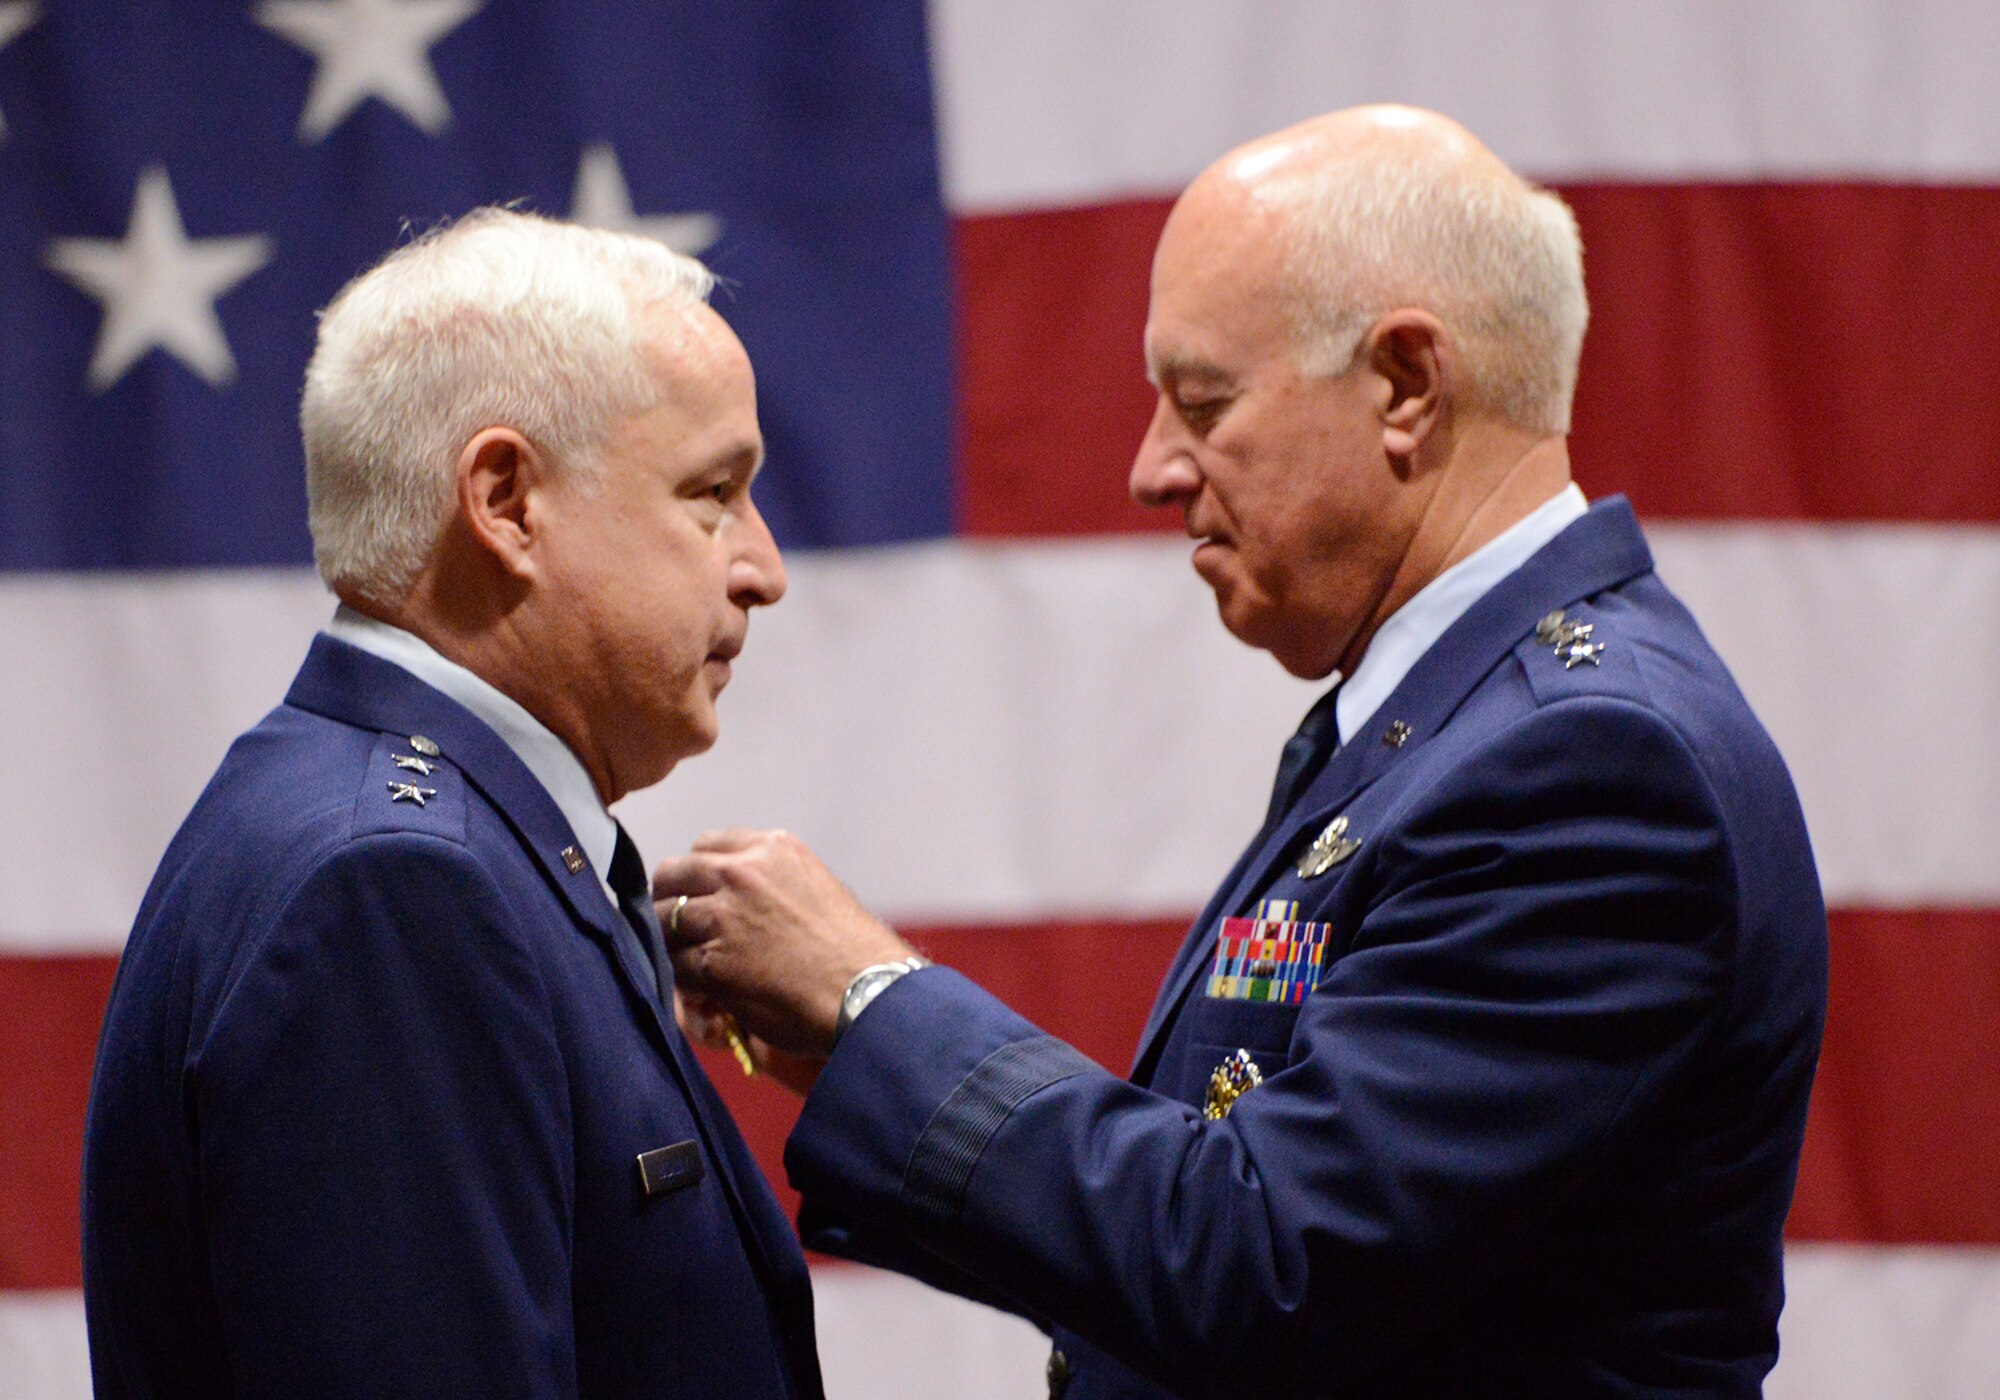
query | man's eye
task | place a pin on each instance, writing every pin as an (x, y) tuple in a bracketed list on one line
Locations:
[(1201, 413)]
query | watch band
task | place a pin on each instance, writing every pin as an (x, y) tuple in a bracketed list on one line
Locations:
[(868, 984)]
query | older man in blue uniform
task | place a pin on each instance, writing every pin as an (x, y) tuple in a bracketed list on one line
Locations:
[(390, 1098), (1484, 1073)]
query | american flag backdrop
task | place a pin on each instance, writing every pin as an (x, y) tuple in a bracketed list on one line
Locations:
[(996, 698)]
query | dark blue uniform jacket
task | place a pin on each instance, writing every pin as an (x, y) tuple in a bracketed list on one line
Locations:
[(372, 1087), (1533, 1133)]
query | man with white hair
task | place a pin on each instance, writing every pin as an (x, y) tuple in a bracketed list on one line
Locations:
[(390, 1098), (1484, 1073)]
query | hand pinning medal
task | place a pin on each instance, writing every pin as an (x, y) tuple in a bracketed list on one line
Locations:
[(730, 1029)]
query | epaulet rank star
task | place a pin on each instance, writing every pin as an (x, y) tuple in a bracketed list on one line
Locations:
[(1570, 640), (415, 764), (410, 792)]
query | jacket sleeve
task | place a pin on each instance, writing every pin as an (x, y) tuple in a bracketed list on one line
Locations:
[(1545, 933), (383, 1130)]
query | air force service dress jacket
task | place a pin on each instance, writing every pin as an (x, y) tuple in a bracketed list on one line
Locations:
[(372, 1086), (1533, 1132)]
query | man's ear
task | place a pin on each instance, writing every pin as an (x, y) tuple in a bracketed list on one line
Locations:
[(501, 479), (1409, 351)]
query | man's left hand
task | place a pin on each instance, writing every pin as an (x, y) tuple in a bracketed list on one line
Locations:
[(769, 934)]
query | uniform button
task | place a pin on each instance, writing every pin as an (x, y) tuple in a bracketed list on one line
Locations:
[(1058, 1374)]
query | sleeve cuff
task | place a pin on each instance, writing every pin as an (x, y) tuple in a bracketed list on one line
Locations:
[(940, 1166)]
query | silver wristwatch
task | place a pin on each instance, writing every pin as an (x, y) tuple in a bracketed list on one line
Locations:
[(868, 984)]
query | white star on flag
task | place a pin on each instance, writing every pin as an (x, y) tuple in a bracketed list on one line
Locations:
[(369, 48), (602, 200), (158, 286), (14, 17)]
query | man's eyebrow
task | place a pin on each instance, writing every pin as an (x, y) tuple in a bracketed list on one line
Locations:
[(1176, 367)]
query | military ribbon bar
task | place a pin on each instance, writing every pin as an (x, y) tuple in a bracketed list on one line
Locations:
[(1270, 956)]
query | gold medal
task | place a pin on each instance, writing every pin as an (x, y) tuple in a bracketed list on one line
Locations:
[(1233, 1078)]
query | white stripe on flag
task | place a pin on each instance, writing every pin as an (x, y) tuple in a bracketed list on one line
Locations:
[(1863, 1323), (1048, 102), (975, 732)]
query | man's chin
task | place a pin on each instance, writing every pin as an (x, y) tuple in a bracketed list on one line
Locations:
[(1308, 658)]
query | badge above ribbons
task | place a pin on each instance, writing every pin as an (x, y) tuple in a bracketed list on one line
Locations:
[(1270, 957)]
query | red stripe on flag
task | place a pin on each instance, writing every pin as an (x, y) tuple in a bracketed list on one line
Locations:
[(50, 1009), (1771, 352), (1903, 1146), (1052, 395)]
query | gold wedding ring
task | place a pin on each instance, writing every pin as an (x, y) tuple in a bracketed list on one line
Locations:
[(674, 919)]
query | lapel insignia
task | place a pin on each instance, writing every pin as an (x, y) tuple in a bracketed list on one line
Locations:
[(1570, 640), (415, 764), (1271, 957), (427, 747), (1397, 734), (573, 860), (410, 792), (1233, 1078), (1328, 849)]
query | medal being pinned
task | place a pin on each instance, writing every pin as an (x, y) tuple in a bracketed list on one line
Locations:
[(1233, 1078)]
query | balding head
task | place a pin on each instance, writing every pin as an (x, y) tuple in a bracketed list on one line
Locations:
[(1364, 211)]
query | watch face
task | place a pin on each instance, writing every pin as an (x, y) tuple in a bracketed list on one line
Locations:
[(870, 987), (863, 990)]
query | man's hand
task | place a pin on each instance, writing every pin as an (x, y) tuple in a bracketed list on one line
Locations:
[(706, 1024), (768, 934)]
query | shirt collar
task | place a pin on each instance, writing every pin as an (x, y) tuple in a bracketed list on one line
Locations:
[(1415, 627), (554, 766)]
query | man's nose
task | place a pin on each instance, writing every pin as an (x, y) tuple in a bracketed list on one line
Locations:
[(757, 573), (1163, 472)]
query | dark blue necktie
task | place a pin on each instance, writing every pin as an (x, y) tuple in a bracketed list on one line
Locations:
[(1306, 752), (627, 878)]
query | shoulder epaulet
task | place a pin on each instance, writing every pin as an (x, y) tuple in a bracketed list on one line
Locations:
[(1568, 653), (410, 785)]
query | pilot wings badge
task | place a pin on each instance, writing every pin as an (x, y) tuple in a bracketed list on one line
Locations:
[(1328, 849)]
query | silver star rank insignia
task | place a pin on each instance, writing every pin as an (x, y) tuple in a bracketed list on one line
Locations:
[(410, 792), (1570, 640), (1328, 849), (415, 764)]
